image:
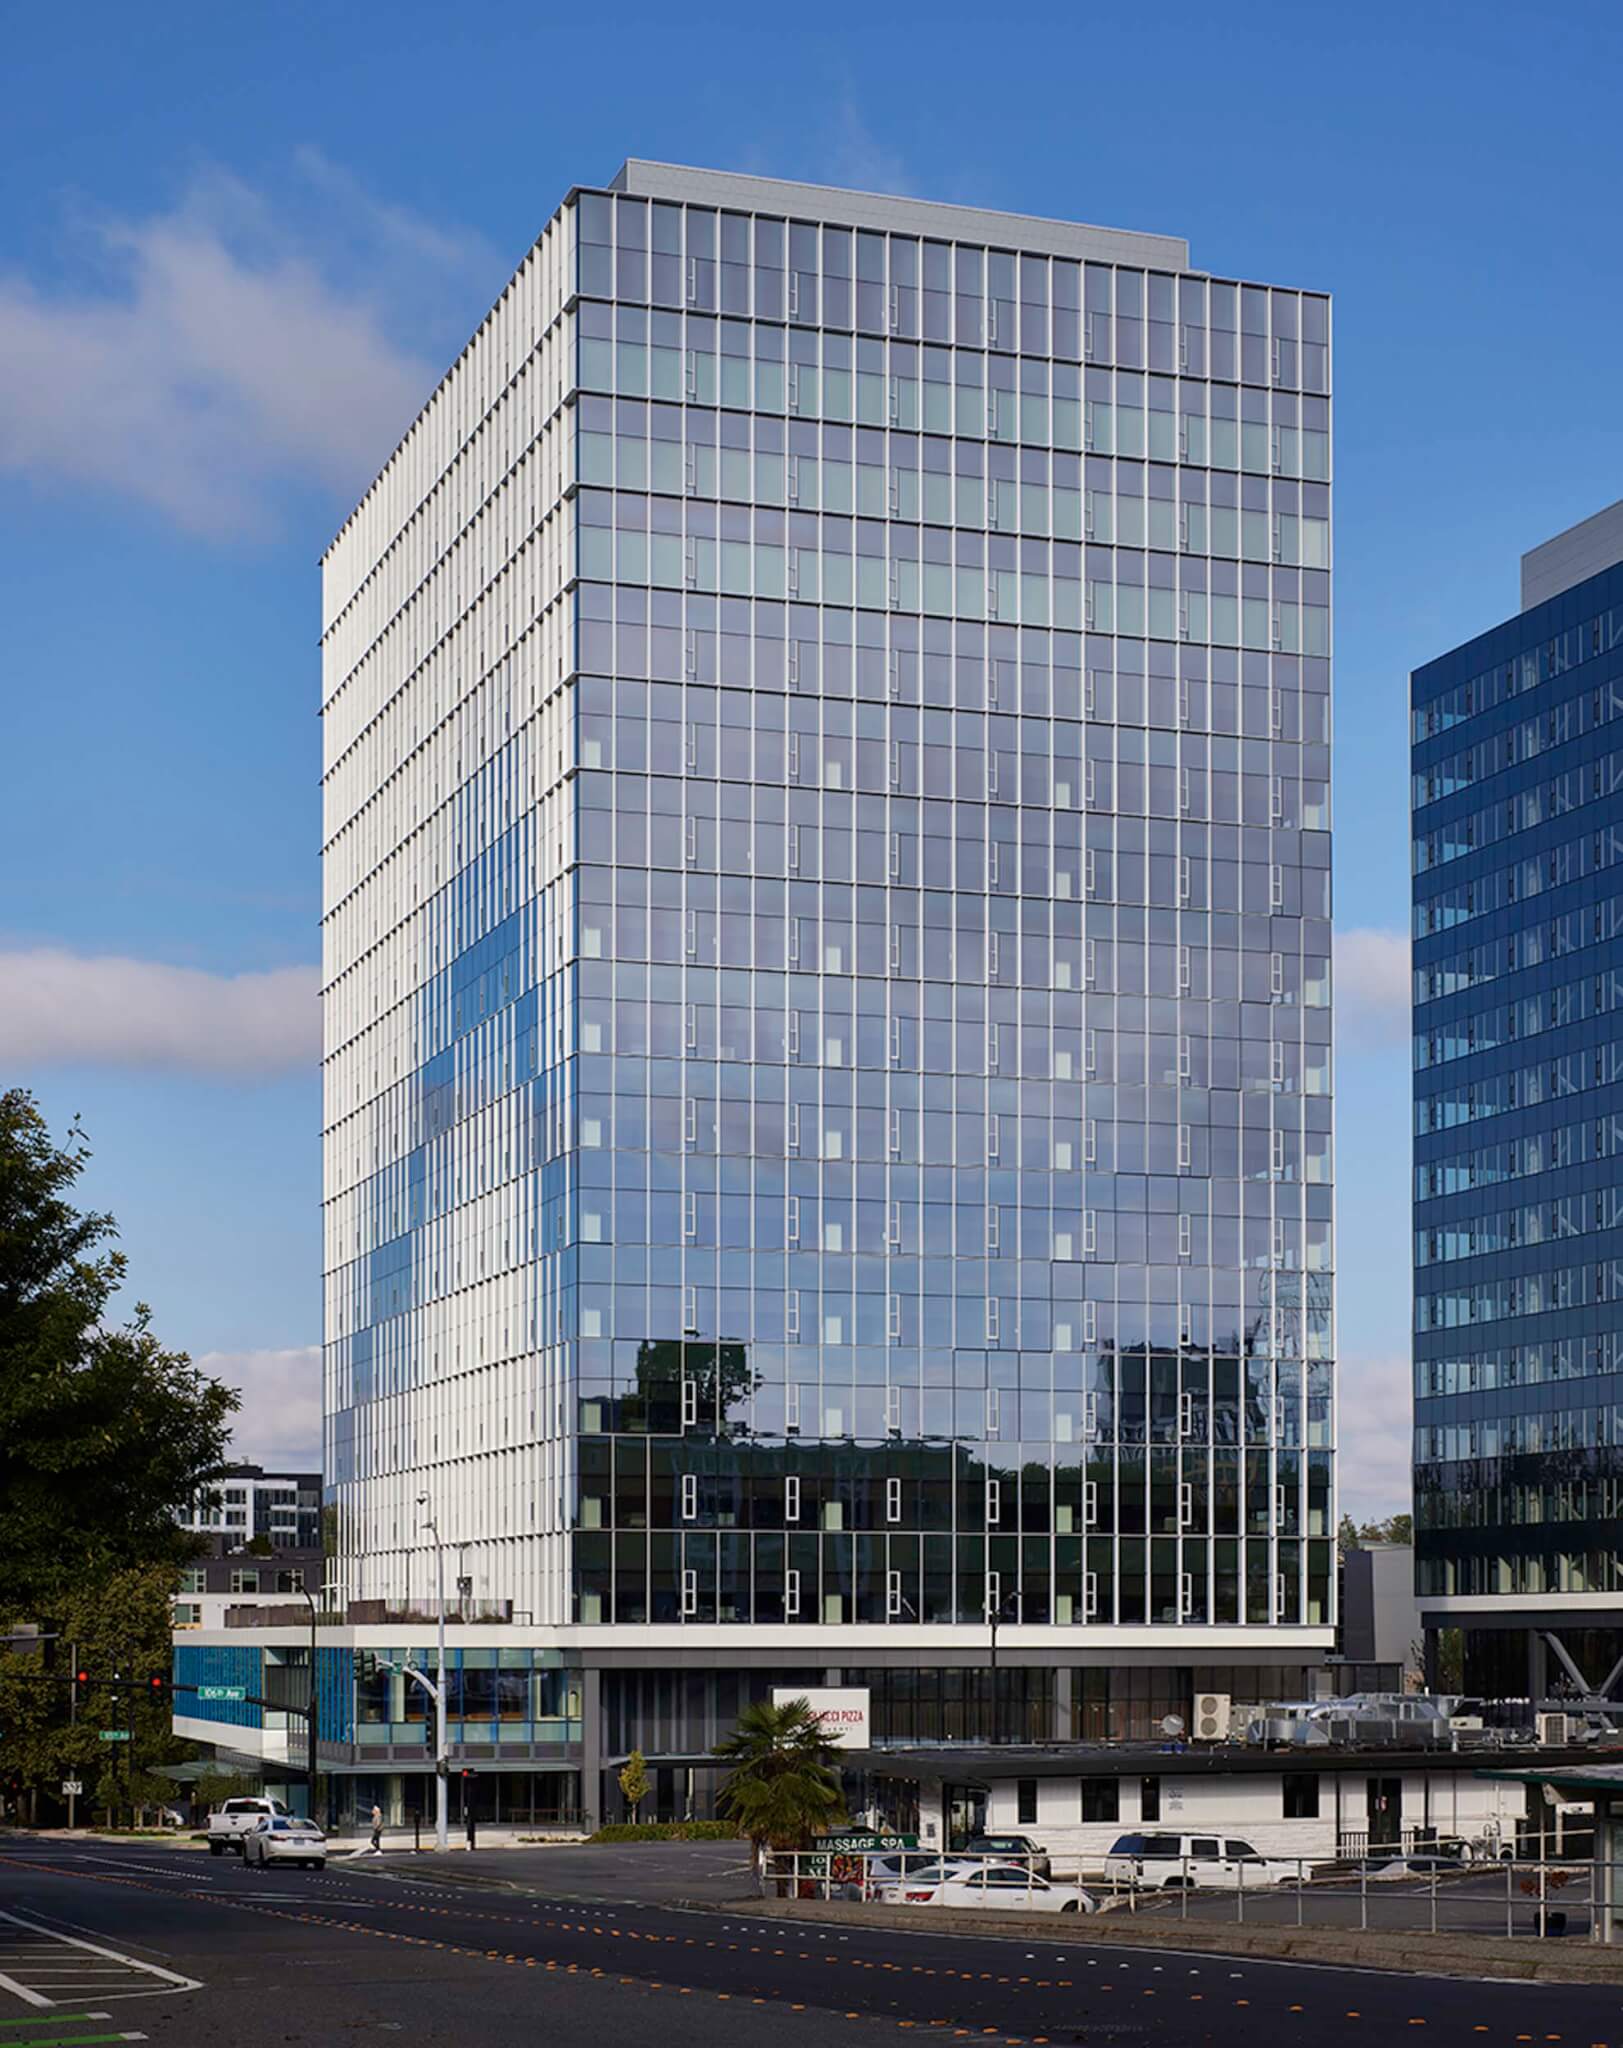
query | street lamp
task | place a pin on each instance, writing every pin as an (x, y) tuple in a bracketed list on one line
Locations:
[(441, 1815), (312, 1719), (1005, 1608)]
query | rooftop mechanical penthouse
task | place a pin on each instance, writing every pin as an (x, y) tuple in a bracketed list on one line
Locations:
[(828, 1131)]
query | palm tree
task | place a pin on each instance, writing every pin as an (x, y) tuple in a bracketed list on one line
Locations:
[(781, 1785)]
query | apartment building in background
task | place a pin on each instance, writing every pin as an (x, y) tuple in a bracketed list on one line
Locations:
[(1518, 1119), (246, 1501), (827, 1132)]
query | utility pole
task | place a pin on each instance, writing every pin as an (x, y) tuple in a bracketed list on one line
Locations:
[(73, 1720), (441, 1799)]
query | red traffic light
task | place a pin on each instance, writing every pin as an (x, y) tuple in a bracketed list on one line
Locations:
[(157, 1684), (81, 1677), (467, 1774)]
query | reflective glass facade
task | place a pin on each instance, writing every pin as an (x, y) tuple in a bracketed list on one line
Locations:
[(828, 985), (1518, 1107)]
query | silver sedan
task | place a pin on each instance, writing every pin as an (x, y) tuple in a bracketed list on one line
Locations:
[(280, 1840)]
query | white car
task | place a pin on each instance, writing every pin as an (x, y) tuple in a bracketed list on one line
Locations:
[(231, 1824), (890, 1877), (1168, 1862), (1393, 1869), (1001, 1887), (282, 1839)]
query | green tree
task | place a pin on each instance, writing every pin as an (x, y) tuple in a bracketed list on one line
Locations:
[(782, 1784), (634, 1781), (104, 1434), (53, 1728)]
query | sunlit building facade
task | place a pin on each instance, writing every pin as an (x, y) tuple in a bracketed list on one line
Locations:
[(827, 978)]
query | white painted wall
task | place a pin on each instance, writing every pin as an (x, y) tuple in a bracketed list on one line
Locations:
[(1453, 1800)]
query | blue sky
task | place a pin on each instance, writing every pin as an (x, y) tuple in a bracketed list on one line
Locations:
[(238, 246)]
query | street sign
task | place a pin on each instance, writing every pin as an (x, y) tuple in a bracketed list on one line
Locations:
[(115, 1735), (855, 1841), (71, 1788), (222, 1692)]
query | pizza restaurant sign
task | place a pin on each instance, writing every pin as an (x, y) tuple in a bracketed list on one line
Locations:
[(843, 1711)]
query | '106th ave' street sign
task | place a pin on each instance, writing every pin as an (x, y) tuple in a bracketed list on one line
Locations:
[(222, 1692)]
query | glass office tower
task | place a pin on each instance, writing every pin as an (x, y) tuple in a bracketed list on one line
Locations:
[(1518, 1118), (828, 974)]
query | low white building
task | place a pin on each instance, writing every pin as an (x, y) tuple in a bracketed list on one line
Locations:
[(1314, 1805)]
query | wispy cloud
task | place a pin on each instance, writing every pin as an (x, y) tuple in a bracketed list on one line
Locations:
[(854, 156), (279, 1422), (59, 1008), (1375, 1434), (1372, 989), (230, 346)]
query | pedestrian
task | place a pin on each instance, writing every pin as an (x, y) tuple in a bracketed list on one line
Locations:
[(377, 1830)]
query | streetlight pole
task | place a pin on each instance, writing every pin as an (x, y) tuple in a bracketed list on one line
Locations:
[(312, 1719), (441, 1816), (993, 1616)]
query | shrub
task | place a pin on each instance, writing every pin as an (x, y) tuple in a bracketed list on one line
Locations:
[(665, 1831)]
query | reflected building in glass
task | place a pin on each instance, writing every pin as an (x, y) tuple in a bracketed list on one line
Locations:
[(1518, 1118), (828, 1119)]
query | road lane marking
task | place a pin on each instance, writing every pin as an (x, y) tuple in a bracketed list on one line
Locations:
[(45, 1973)]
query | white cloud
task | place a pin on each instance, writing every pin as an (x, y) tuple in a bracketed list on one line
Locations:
[(858, 159), (1375, 1432), (228, 347), (1373, 989), (59, 1008), (279, 1422)]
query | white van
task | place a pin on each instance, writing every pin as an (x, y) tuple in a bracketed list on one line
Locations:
[(1164, 1862)]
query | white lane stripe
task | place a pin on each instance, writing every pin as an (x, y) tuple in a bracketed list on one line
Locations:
[(22, 1991), (112, 1954)]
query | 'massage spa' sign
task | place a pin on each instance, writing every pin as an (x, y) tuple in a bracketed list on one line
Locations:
[(843, 1711)]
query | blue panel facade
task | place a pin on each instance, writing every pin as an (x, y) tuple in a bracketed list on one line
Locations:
[(1518, 1104), (199, 1664)]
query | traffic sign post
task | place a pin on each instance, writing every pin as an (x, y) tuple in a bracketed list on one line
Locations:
[(115, 1735), (71, 1788)]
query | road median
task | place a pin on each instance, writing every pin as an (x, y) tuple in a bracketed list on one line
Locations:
[(1553, 1961)]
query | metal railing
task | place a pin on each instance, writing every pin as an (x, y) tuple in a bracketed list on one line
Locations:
[(1436, 1895)]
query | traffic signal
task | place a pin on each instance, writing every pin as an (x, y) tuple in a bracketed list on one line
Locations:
[(157, 1682), (467, 1774), (81, 1678)]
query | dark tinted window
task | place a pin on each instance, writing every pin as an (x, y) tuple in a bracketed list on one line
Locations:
[(1101, 1799)]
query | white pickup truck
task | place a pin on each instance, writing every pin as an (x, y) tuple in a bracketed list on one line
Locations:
[(232, 1823)]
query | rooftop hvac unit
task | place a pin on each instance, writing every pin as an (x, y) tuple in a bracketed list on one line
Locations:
[(1213, 1712), (1554, 1731)]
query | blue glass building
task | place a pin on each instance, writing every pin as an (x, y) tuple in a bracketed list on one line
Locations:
[(1518, 1121), (828, 1126)]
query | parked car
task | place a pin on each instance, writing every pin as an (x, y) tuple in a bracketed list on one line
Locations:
[(997, 1887), (890, 1876), (237, 1818), (1391, 1867), (1019, 1849), (884, 1873), (1165, 1862), (281, 1839)]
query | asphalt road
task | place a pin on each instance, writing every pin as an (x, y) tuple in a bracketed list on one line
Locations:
[(359, 1950)]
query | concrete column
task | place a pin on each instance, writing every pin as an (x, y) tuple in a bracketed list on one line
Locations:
[(1538, 1666), (591, 1746), (1062, 1704)]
